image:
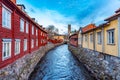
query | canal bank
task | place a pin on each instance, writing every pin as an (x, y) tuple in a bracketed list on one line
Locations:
[(21, 69), (101, 66), (60, 64)]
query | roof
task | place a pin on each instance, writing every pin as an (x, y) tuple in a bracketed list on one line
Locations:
[(76, 33), (118, 10), (88, 28), (21, 5), (115, 16), (23, 13)]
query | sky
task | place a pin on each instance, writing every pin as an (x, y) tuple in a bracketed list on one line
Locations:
[(78, 13)]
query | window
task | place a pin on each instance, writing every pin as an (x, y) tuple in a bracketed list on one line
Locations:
[(6, 48), (17, 46), (32, 30), (110, 36), (86, 37), (22, 25), (27, 24), (41, 33), (36, 42), (32, 43), (6, 17), (36, 32), (99, 38), (75, 39), (25, 44), (91, 37)]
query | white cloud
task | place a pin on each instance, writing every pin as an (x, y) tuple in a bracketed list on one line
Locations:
[(47, 17), (101, 13)]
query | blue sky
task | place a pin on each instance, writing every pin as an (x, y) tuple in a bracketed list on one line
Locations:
[(78, 13)]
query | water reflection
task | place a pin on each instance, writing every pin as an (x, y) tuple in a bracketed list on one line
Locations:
[(59, 64)]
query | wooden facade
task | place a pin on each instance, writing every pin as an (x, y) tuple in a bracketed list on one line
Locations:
[(32, 33)]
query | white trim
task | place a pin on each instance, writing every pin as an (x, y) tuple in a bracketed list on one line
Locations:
[(25, 44), (6, 18), (7, 8), (7, 40), (103, 47), (17, 41), (110, 37), (22, 30), (118, 36), (3, 42), (33, 28), (27, 27)]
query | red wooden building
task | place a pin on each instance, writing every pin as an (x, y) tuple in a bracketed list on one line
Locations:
[(73, 39), (19, 34)]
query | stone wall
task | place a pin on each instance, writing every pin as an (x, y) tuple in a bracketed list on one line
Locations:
[(101, 66), (21, 69)]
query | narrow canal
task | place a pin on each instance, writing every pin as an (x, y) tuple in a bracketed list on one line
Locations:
[(60, 64)]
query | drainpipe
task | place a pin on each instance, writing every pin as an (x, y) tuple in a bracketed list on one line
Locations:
[(118, 36), (94, 40), (103, 48), (81, 40)]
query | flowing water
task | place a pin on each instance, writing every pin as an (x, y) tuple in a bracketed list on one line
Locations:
[(60, 64)]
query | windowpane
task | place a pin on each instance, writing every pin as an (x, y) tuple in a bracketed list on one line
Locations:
[(22, 25), (32, 43), (99, 37), (6, 53), (36, 32), (32, 29), (111, 36), (17, 46), (6, 18), (25, 44), (27, 27), (91, 37), (4, 49)]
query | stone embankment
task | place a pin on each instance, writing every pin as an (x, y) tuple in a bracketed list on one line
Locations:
[(21, 69), (102, 66)]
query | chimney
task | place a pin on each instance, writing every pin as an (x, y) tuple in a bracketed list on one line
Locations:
[(69, 29), (33, 19), (14, 1), (21, 7), (41, 26), (118, 10)]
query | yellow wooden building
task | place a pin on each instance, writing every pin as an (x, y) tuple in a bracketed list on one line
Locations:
[(60, 37), (104, 38)]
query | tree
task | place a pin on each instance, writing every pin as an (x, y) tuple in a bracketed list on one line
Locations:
[(51, 28)]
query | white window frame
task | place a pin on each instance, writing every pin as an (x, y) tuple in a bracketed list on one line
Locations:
[(99, 37), (17, 46), (32, 30), (22, 22), (27, 27), (6, 17), (86, 37), (91, 37), (41, 33), (36, 32), (36, 42), (111, 36), (8, 47), (32, 43), (25, 44)]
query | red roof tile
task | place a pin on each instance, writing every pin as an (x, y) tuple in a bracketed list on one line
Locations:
[(88, 28)]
